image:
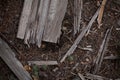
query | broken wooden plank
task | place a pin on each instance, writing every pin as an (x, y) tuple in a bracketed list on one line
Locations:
[(99, 19), (101, 52), (24, 19), (32, 24), (79, 38), (42, 18), (78, 6), (42, 21), (9, 57), (56, 14), (43, 62)]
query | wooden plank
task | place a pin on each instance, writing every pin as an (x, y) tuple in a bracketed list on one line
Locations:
[(79, 38), (44, 21), (32, 24), (78, 6), (43, 62), (9, 57), (42, 17), (56, 14), (24, 19)]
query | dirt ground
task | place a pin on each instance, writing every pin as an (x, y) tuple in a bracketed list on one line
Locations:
[(10, 11)]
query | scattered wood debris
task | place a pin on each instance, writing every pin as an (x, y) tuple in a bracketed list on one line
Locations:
[(43, 62), (81, 76), (95, 77), (76, 65), (78, 6), (9, 57), (41, 20), (79, 38), (100, 55), (99, 19)]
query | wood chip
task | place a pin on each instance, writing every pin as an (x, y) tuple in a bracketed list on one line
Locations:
[(43, 62), (56, 14), (13, 63), (79, 38)]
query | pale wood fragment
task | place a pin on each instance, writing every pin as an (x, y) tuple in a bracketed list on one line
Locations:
[(101, 12), (43, 62)]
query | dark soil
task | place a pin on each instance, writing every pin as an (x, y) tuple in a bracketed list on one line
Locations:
[(10, 11)]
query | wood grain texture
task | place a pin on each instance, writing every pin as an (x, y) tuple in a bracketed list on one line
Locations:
[(24, 19), (9, 57), (56, 14), (43, 21), (78, 6)]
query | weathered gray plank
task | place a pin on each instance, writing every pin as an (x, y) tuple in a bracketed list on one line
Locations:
[(32, 24), (78, 6), (24, 19), (42, 17), (56, 14), (43, 21), (9, 57), (79, 38)]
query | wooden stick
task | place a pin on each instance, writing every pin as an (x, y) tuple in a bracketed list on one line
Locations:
[(101, 12), (95, 77), (79, 38), (112, 57), (9, 57), (103, 47), (43, 62), (81, 76)]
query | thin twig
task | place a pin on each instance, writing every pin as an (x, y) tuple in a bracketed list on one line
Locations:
[(103, 47), (43, 62)]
